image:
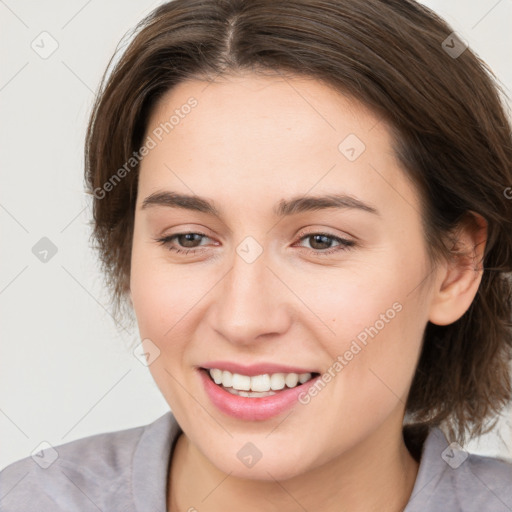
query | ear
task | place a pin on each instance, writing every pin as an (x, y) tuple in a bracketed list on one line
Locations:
[(460, 276)]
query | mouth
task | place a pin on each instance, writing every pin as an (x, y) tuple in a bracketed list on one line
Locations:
[(256, 397), (257, 386)]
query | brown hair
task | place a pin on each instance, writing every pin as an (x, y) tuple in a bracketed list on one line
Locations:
[(452, 136)]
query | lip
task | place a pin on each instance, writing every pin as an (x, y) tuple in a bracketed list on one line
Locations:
[(255, 369), (252, 409)]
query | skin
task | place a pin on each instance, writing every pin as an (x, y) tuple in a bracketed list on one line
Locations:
[(250, 142)]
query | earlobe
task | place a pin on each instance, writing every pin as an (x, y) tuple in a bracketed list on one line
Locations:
[(461, 277)]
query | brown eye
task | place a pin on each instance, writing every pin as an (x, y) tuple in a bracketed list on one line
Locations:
[(187, 242), (321, 243), (188, 239)]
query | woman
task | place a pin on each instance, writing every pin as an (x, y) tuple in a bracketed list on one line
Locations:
[(305, 204)]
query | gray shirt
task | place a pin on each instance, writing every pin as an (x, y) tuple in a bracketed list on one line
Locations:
[(127, 471)]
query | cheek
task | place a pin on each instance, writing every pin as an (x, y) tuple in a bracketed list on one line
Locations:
[(370, 300), (161, 298), (161, 292), (377, 317)]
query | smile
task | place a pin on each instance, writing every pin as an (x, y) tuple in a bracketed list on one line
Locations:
[(254, 397), (257, 385)]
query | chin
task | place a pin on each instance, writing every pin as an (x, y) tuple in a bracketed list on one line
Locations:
[(264, 471), (264, 463)]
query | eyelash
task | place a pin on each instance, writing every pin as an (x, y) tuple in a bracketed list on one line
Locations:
[(344, 244)]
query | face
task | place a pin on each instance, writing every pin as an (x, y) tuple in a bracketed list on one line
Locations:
[(264, 284)]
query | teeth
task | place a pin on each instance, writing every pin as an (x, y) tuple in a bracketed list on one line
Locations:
[(258, 385), (277, 381), (227, 379), (250, 394), (240, 382), (216, 375), (261, 383), (291, 380), (304, 377)]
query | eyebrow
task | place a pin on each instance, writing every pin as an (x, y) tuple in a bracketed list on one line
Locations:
[(292, 206)]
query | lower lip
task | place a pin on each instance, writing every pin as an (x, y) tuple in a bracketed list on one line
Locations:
[(253, 409)]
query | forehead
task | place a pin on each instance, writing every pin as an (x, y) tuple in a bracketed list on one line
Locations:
[(304, 109), (249, 135)]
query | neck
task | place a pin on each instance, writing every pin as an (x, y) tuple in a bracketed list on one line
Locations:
[(377, 475)]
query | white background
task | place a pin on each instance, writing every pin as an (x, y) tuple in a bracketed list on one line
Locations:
[(65, 371)]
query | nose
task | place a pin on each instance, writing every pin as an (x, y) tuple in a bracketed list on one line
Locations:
[(251, 303)]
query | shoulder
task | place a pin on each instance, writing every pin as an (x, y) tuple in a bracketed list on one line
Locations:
[(485, 483), (450, 478), (85, 474)]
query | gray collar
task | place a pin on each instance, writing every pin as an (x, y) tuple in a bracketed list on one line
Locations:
[(152, 455), (150, 464)]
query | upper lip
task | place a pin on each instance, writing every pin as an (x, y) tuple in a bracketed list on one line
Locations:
[(254, 369)]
